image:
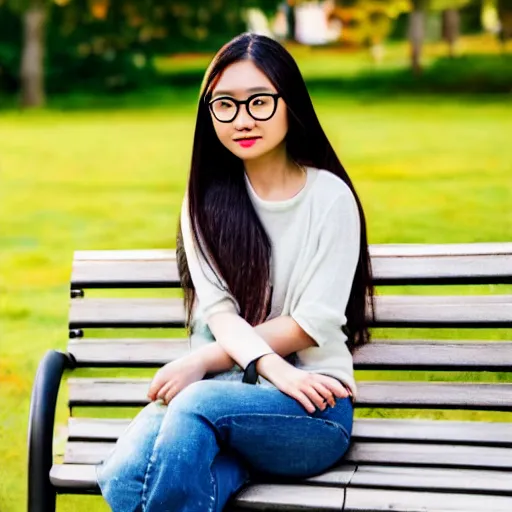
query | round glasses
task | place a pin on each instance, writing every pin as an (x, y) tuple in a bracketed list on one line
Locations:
[(261, 107)]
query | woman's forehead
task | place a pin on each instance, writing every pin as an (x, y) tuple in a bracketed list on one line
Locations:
[(242, 78)]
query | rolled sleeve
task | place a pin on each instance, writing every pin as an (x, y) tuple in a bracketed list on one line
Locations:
[(325, 289)]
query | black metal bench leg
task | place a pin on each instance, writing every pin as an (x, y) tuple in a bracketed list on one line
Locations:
[(41, 494)]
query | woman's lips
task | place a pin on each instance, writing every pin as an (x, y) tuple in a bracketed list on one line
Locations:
[(247, 143)]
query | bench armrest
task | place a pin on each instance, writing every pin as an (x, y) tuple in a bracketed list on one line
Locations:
[(41, 495)]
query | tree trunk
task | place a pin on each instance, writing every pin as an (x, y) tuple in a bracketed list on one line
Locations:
[(417, 34), (32, 59), (451, 29)]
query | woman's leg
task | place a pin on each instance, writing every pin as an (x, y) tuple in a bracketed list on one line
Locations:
[(121, 476), (270, 431)]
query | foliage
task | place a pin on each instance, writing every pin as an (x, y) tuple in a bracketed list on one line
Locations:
[(110, 44), (10, 33)]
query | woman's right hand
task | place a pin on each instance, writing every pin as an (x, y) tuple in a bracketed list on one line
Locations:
[(309, 389), (176, 376)]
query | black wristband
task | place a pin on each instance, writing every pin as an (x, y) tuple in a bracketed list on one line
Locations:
[(250, 373)]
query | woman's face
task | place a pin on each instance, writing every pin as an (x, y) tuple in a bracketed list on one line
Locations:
[(246, 136)]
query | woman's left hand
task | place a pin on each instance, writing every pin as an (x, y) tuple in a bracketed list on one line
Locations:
[(174, 377), (312, 390)]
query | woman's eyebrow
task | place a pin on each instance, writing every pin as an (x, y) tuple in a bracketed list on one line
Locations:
[(250, 90)]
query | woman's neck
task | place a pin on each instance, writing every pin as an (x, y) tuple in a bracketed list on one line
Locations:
[(274, 177)]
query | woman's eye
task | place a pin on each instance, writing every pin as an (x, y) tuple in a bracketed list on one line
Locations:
[(225, 104)]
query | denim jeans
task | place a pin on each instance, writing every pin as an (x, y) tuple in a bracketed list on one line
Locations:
[(215, 436)]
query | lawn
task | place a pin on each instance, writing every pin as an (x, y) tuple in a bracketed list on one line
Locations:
[(428, 169)]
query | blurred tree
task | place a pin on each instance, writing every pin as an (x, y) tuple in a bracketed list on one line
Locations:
[(32, 58), (505, 16), (33, 15), (450, 12), (417, 32)]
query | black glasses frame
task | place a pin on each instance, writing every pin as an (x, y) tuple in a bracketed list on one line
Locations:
[(246, 102)]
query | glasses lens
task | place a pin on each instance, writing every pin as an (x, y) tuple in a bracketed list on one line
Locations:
[(262, 107), (224, 109)]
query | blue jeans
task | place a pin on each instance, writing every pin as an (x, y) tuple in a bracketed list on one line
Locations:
[(215, 436)]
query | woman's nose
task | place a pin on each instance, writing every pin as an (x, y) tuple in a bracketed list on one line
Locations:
[(243, 120)]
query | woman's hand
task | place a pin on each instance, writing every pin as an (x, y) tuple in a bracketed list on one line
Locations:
[(174, 377), (309, 389)]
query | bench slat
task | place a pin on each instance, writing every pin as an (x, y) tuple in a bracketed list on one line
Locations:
[(442, 455), (365, 429), (125, 274), (409, 355), (278, 497), (435, 356), (428, 395), (392, 264), (433, 479), (78, 452), (376, 500), (391, 311), (127, 352), (481, 433), (126, 313)]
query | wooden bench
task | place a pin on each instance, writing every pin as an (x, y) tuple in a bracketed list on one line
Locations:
[(393, 463)]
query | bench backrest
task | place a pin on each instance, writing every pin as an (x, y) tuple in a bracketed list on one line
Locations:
[(154, 322)]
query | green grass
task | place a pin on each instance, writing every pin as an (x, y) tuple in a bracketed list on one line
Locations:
[(428, 169)]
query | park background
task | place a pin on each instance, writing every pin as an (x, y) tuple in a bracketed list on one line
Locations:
[(97, 106)]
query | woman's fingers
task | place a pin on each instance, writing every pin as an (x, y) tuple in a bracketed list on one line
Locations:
[(314, 396), (303, 399), (327, 394), (164, 389), (171, 393), (156, 384), (335, 386)]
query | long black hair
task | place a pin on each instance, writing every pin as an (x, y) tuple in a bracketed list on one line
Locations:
[(221, 212)]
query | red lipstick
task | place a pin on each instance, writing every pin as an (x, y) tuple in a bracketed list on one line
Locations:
[(247, 143)]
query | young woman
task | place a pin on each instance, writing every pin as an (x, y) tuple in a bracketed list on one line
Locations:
[(273, 256)]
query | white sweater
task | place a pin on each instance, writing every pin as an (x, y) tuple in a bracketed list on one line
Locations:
[(315, 238)]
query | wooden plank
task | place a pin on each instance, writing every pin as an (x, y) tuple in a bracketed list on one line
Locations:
[(415, 395), (442, 269), (69, 478), (403, 454), (391, 311), (480, 433), (444, 311), (377, 250), (87, 453), (406, 355), (96, 428), (435, 395), (128, 352), (429, 250), (377, 500), (391, 263), (429, 479), (438, 455), (105, 313), (126, 255), (125, 274), (434, 355)]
